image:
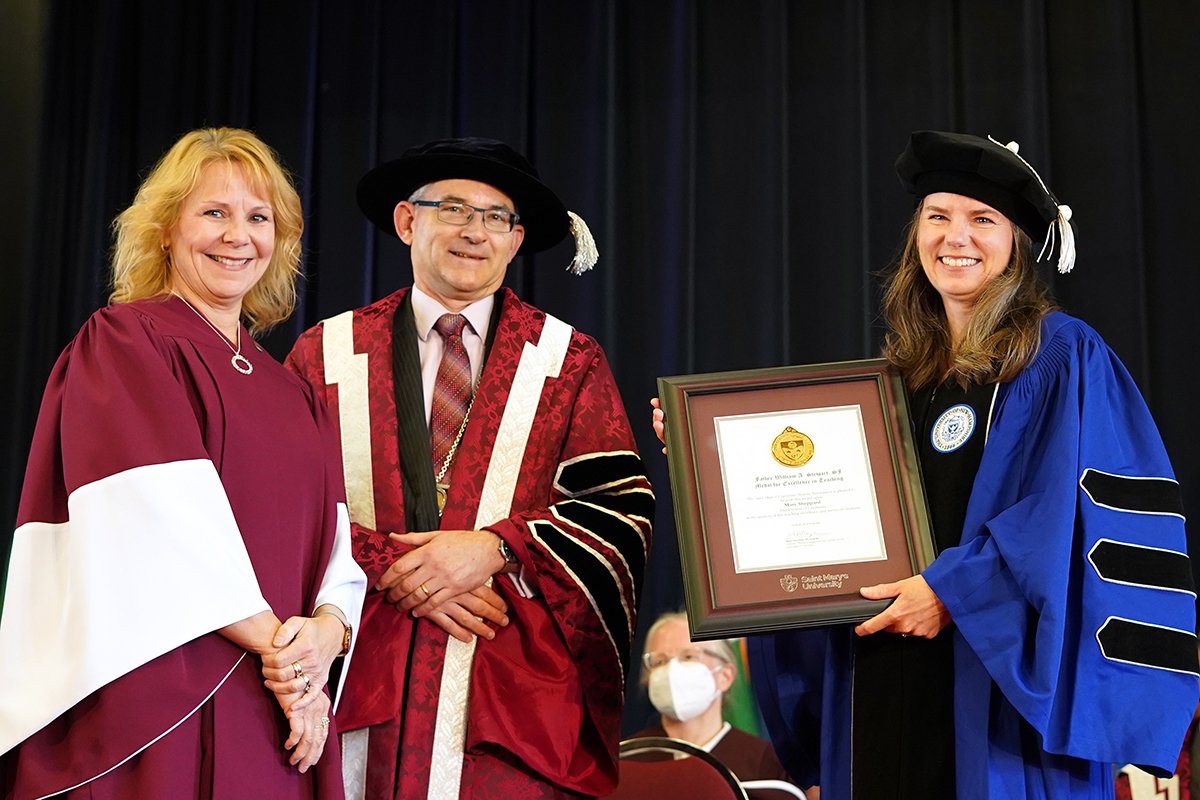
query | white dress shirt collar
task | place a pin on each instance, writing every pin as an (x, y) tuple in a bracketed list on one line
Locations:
[(427, 311)]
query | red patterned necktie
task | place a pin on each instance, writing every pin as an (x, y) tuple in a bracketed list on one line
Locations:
[(451, 389)]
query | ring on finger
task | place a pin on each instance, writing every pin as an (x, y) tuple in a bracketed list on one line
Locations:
[(297, 669), (423, 589), (323, 723), (307, 684)]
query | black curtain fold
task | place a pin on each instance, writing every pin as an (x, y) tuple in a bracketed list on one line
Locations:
[(733, 159)]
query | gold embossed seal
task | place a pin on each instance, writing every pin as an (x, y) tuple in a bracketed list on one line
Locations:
[(792, 448)]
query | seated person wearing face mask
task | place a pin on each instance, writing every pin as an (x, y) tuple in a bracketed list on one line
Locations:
[(687, 683)]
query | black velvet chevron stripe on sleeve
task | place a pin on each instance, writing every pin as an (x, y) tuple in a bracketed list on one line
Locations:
[(592, 575), (598, 471), (1148, 645), (630, 503), (1151, 567), (608, 528), (1133, 494)]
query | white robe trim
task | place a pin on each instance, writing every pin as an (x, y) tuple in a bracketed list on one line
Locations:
[(155, 739), (348, 370), (538, 362), (150, 559)]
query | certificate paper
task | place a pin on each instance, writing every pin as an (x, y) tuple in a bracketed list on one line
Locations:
[(798, 489)]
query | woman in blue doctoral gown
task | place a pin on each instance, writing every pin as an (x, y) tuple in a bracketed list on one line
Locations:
[(1054, 633)]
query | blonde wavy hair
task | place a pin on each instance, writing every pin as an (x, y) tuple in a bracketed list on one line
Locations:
[(1001, 338), (141, 267)]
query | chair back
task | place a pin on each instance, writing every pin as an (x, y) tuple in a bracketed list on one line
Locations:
[(772, 790), (696, 775)]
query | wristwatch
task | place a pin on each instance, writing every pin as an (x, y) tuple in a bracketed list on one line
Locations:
[(510, 558), (347, 632)]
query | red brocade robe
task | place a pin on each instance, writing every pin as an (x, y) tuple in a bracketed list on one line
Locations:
[(539, 706), (167, 495)]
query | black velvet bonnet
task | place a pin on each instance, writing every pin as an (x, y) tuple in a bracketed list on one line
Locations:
[(993, 173)]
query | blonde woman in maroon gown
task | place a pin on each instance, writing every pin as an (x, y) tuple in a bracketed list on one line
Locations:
[(180, 581)]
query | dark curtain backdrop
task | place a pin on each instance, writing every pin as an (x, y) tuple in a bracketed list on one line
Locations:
[(733, 159)]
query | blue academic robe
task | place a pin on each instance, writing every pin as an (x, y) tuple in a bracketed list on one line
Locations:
[(1070, 593)]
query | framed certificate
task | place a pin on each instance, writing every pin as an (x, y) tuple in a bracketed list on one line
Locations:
[(794, 487)]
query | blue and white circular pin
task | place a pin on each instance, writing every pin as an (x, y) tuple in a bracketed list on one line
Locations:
[(953, 428)]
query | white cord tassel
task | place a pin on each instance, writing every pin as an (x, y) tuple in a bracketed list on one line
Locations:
[(586, 254), (1066, 249), (1060, 228)]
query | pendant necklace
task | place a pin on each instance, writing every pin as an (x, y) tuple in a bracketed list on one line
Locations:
[(443, 488), (239, 361)]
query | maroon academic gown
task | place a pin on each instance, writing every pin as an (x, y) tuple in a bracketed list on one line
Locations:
[(147, 384), (546, 695)]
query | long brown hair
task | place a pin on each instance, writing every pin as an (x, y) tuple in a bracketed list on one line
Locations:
[(141, 266), (1000, 339)]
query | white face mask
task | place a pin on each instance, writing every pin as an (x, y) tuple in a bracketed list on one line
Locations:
[(682, 691)]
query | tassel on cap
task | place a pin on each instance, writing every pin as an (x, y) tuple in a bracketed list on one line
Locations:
[(1066, 245), (586, 254), (1060, 227)]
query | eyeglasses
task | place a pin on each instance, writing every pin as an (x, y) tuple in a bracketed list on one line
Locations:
[(455, 212), (656, 660)]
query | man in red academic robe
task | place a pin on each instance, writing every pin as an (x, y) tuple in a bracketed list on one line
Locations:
[(507, 554)]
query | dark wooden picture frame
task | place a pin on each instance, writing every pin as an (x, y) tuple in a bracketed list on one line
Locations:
[(722, 602)]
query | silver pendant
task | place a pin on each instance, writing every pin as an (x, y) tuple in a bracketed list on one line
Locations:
[(241, 364)]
